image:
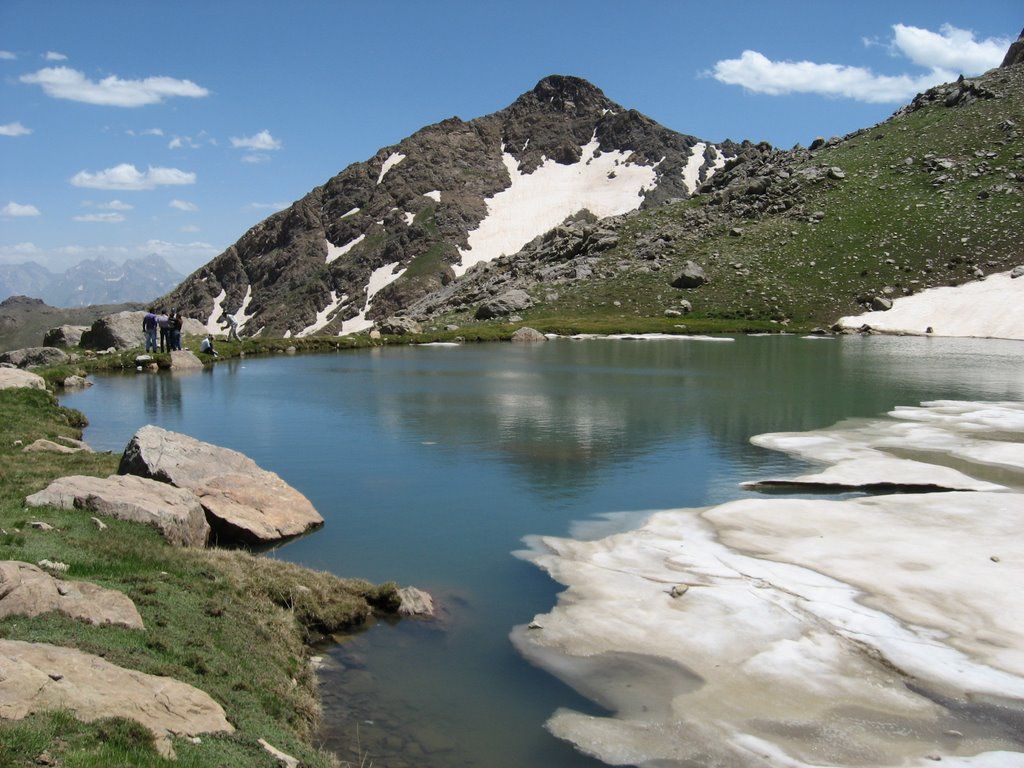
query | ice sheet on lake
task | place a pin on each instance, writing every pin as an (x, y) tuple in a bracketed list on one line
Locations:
[(875, 631)]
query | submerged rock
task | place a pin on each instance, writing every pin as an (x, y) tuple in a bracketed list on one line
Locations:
[(27, 590), (415, 602), (243, 502), (175, 512), (37, 677)]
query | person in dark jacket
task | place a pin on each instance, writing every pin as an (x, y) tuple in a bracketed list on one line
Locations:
[(176, 322), (149, 328), (164, 323)]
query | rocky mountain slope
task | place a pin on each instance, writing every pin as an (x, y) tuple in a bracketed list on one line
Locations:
[(386, 232), (934, 196), (92, 281)]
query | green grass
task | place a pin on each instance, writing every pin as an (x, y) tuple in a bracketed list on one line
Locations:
[(227, 622)]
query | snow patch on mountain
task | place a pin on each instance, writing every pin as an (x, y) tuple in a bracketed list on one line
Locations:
[(691, 173), (212, 322), (605, 185), (434, 194), (379, 279), (337, 251), (353, 212), (323, 317), (988, 308), (242, 316), (393, 159)]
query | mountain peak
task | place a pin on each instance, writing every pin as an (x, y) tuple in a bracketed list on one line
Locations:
[(1015, 54), (567, 93)]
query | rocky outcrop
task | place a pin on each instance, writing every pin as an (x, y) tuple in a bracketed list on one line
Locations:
[(37, 677), (528, 336), (64, 336), (1015, 53), (13, 378), (243, 502), (27, 590), (503, 304), (31, 357), (175, 512)]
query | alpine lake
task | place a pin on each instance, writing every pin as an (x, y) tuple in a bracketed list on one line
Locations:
[(431, 463)]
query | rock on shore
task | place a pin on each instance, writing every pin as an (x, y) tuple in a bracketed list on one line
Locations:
[(243, 502), (37, 677), (27, 590), (175, 512), (13, 378)]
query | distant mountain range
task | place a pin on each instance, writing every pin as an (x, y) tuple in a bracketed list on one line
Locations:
[(93, 281)]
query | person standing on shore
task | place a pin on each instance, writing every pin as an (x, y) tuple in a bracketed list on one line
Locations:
[(176, 323), (233, 330), (149, 328), (164, 323)]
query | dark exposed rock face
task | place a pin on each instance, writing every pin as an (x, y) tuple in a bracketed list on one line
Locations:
[(413, 205), (1015, 54), (31, 357)]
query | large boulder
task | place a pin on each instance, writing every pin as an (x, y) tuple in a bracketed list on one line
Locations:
[(64, 336), (528, 335), (121, 330), (13, 378), (243, 502), (691, 276), (503, 304), (175, 512), (42, 445), (37, 677), (28, 590), (30, 357), (184, 360), (400, 326)]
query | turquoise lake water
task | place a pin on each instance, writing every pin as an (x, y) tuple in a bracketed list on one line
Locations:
[(430, 464)]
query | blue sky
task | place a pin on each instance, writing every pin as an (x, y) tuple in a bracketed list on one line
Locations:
[(309, 87)]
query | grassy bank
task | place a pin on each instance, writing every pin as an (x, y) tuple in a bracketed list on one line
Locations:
[(229, 623)]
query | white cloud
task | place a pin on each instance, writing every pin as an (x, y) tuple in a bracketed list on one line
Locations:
[(261, 141), (183, 205), (950, 49), (145, 132), (67, 83), (945, 54), (16, 210), (102, 218), (189, 228), (54, 56), (8, 55), (187, 255), (113, 205), (255, 157), (14, 129), (127, 177)]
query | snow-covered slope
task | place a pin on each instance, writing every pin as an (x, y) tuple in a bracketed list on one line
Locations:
[(990, 308)]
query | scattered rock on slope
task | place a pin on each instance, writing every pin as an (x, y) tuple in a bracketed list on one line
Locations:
[(27, 590), (691, 276), (37, 677), (400, 326), (175, 512), (243, 502), (506, 303)]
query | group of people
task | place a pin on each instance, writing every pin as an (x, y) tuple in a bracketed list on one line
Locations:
[(167, 325)]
